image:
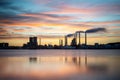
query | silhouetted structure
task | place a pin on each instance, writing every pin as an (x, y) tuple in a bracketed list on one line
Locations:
[(73, 43), (79, 39), (85, 38), (60, 42), (39, 41), (33, 41), (32, 44), (65, 40), (4, 45), (75, 39)]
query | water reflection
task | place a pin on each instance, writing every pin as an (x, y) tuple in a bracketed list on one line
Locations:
[(76, 61), (33, 59), (58, 67)]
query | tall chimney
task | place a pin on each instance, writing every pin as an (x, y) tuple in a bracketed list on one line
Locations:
[(39, 41), (61, 42), (65, 40), (75, 36), (79, 39), (85, 38)]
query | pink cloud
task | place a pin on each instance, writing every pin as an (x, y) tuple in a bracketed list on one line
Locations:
[(42, 1), (96, 10), (67, 9)]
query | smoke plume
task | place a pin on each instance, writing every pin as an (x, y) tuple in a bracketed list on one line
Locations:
[(94, 30), (70, 35), (79, 31)]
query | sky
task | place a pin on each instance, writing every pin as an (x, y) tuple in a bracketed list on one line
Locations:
[(51, 20)]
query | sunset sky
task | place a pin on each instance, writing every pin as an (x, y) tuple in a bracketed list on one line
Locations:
[(51, 20)]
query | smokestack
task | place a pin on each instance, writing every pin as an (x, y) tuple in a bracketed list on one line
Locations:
[(65, 40), (61, 42), (39, 41), (79, 39), (75, 36), (79, 36), (95, 30), (85, 38)]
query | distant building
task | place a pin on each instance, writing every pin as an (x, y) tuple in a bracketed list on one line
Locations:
[(32, 43), (73, 43), (4, 45), (96, 45)]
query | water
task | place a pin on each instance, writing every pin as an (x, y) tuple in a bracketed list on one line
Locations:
[(59, 64)]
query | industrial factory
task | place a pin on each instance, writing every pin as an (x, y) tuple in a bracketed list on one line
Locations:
[(33, 41), (75, 43)]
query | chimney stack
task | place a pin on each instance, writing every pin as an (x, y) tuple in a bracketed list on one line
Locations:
[(75, 36), (79, 39), (65, 40), (39, 41), (85, 38), (61, 42)]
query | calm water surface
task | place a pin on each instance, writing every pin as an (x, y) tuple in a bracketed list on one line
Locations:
[(59, 64)]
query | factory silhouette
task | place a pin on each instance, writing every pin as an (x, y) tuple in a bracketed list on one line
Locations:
[(33, 42)]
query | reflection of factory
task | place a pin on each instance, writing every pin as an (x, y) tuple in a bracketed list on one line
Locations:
[(80, 62), (69, 59), (56, 59)]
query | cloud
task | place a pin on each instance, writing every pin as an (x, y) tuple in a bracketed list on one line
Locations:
[(95, 23), (47, 17), (9, 13), (101, 9), (60, 18), (29, 19), (68, 9), (3, 32), (8, 6)]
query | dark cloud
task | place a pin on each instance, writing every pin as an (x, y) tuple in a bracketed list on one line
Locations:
[(49, 15), (10, 13), (94, 30), (6, 18), (5, 2), (8, 6)]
